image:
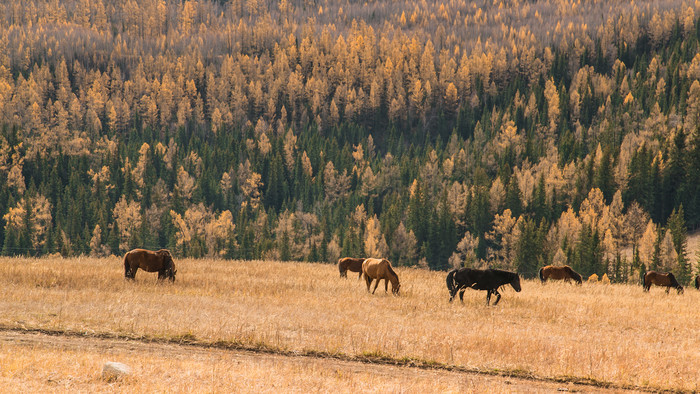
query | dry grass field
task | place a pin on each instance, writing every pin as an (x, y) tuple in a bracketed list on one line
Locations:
[(600, 333), (41, 363)]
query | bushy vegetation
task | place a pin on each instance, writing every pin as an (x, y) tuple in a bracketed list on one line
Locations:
[(507, 134)]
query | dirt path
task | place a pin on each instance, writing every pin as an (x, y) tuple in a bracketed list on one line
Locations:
[(323, 372)]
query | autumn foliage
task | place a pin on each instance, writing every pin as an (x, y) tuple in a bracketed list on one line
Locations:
[(508, 134)]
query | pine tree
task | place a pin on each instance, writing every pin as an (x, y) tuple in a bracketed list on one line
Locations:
[(676, 224), (514, 200), (529, 254), (285, 254)]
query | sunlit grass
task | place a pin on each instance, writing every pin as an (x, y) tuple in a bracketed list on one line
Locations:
[(47, 368), (614, 333)]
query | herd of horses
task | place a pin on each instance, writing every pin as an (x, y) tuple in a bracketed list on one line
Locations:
[(373, 269), (491, 280)]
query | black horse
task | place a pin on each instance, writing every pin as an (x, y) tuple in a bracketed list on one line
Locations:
[(489, 280)]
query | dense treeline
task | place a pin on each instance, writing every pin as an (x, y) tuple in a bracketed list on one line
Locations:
[(507, 134)]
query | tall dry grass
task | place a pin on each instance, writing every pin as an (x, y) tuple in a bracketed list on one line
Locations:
[(72, 367), (612, 333)]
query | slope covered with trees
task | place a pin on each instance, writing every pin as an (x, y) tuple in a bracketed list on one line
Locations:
[(505, 133)]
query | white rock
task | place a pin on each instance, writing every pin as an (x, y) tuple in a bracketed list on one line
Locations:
[(113, 370)]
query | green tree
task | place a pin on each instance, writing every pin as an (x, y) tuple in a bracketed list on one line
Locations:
[(676, 223)]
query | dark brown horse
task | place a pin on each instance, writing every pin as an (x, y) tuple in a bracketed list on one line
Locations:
[(378, 269), (561, 273), (697, 282), (346, 264), (661, 279), (160, 261), (489, 279)]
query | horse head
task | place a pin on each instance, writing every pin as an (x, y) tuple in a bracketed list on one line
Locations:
[(577, 277), (516, 283), (674, 283), (168, 263), (395, 288)]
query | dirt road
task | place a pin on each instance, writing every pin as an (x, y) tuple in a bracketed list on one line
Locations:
[(34, 360)]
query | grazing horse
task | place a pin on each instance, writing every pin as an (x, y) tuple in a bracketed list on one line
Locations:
[(346, 264), (661, 279), (554, 272), (160, 261), (378, 269), (697, 282), (489, 280)]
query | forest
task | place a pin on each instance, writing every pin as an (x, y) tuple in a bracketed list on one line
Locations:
[(509, 134)]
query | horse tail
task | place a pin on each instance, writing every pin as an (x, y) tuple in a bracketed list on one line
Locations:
[(126, 265), (697, 282), (645, 281), (450, 280), (541, 274)]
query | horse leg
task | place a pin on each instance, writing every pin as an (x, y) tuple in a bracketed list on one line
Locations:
[(386, 285), (488, 297), (358, 278), (461, 294), (375, 285), (667, 289), (368, 280), (498, 297)]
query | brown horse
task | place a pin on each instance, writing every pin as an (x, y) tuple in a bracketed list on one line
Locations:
[(697, 282), (661, 279), (160, 261), (554, 272), (346, 264), (380, 269)]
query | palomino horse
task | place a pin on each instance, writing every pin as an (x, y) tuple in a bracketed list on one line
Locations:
[(160, 261), (489, 280), (346, 264), (378, 269), (661, 279), (565, 273)]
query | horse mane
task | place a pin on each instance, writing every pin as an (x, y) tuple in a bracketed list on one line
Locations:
[(673, 279), (574, 275), (391, 270)]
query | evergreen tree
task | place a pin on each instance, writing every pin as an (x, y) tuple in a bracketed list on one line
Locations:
[(603, 178), (676, 224), (514, 200), (530, 256), (285, 253)]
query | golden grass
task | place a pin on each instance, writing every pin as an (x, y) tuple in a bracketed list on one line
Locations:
[(74, 365), (608, 333)]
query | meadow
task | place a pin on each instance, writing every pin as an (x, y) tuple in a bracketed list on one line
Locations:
[(606, 334)]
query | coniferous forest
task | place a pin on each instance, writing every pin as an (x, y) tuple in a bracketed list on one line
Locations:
[(510, 134)]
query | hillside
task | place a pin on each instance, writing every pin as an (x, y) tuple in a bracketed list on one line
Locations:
[(510, 134)]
